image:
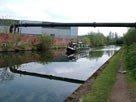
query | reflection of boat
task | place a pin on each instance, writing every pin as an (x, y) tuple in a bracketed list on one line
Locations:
[(76, 56), (71, 57), (76, 47)]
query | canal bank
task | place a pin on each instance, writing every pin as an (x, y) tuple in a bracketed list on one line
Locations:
[(29, 42), (99, 84), (113, 84)]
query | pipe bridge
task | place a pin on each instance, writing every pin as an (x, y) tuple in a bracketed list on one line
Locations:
[(94, 24)]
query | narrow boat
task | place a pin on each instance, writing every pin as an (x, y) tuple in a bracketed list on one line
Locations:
[(73, 47)]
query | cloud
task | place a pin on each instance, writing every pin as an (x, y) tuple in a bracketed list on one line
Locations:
[(58, 17), (71, 11)]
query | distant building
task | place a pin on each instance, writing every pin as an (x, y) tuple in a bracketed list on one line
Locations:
[(5, 24), (57, 32)]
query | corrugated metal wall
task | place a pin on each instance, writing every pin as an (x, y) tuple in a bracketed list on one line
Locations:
[(57, 32)]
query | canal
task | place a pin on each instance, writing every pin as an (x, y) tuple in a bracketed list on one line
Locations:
[(49, 76)]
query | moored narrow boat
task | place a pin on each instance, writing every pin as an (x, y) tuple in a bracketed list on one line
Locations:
[(76, 47)]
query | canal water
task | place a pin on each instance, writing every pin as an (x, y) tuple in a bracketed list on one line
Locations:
[(38, 76)]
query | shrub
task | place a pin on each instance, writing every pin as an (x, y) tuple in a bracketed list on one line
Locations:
[(130, 37), (7, 47), (97, 39), (46, 42), (130, 58), (25, 46)]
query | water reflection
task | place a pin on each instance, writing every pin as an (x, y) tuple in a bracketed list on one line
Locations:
[(5, 75), (38, 76), (11, 58), (14, 69), (95, 54), (54, 63)]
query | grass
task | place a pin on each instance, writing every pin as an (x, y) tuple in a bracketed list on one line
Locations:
[(131, 80), (129, 75), (102, 87)]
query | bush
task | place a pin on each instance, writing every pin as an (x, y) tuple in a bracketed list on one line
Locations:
[(130, 58), (46, 42), (130, 52), (130, 37), (97, 39), (25, 46), (7, 47)]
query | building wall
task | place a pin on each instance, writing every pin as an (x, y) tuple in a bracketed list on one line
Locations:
[(27, 38), (5, 24), (74, 32), (30, 30), (57, 32), (4, 29)]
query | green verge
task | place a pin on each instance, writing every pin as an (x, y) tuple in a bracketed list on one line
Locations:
[(101, 89), (131, 80), (130, 75)]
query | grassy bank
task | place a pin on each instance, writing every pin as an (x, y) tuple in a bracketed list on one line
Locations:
[(130, 64), (131, 80), (101, 89), (130, 56), (18, 42)]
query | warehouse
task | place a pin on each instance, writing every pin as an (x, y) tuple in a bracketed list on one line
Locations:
[(56, 32)]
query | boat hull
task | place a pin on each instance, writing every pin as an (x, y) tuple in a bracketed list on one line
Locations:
[(70, 50), (76, 47)]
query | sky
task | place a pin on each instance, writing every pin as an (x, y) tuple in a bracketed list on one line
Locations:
[(87, 11)]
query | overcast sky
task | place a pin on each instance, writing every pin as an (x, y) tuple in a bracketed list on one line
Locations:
[(72, 11)]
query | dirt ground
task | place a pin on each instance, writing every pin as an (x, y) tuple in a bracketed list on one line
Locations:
[(121, 91)]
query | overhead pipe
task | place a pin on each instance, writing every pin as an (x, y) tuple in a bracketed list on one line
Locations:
[(13, 27)]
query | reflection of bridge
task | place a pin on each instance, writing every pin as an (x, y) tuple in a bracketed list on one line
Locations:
[(51, 77)]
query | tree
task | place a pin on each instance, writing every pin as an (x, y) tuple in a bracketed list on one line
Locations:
[(97, 39), (130, 37), (113, 39), (86, 40)]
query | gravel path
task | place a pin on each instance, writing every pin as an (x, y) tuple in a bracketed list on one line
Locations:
[(121, 91)]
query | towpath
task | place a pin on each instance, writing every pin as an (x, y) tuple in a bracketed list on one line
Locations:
[(122, 91)]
